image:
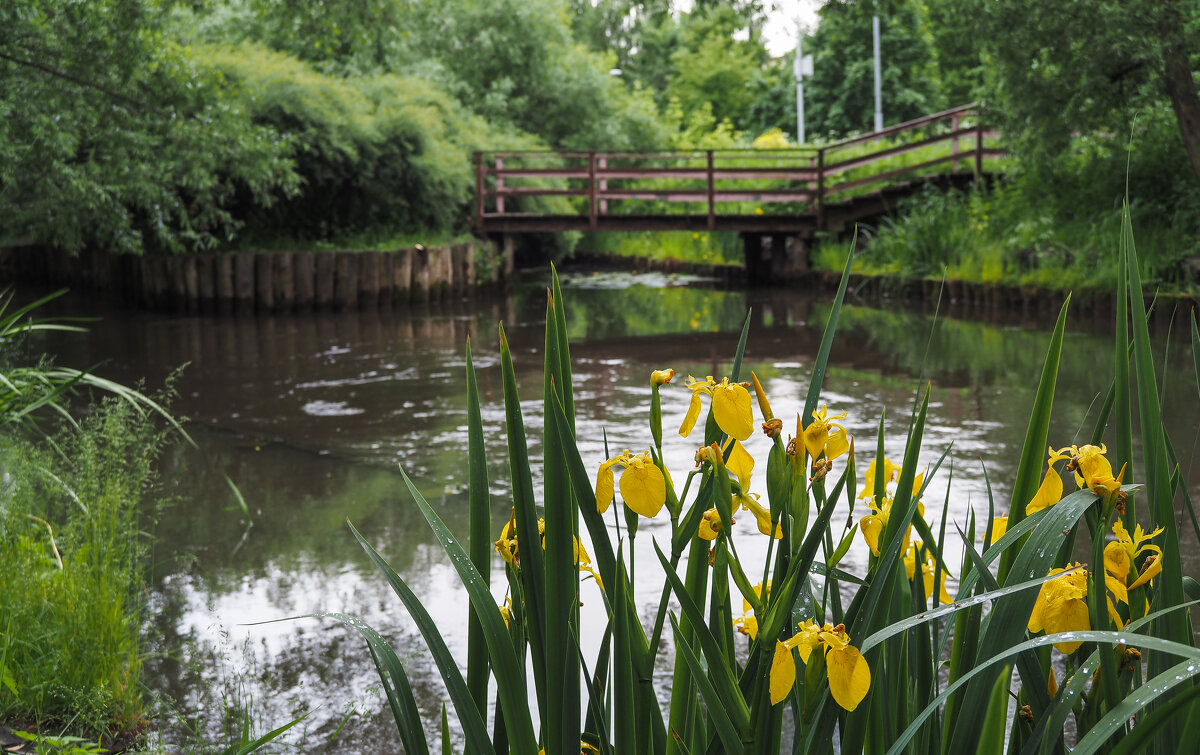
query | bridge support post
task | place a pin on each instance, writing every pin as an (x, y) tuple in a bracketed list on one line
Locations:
[(775, 259), (752, 246)]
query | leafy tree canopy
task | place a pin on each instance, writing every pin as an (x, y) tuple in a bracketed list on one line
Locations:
[(112, 134)]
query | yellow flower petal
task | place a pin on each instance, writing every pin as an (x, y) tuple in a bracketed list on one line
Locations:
[(1049, 493), (747, 625), (806, 640), (761, 515), (1067, 616), (1116, 561), (1060, 607), (814, 438), (693, 413), (889, 474), (643, 488), (1117, 588), (838, 443), (1151, 569), (910, 560), (604, 486), (740, 464), (872, 527), (849, 676), (732, 411), (1114, 615), (927, 571), (783, 673), (999, 527)]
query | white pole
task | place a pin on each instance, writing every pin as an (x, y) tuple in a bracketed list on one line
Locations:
[(799, 70), (878, 76)]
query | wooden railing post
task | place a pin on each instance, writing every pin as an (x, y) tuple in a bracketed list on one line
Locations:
[(479, 192), (712, 210), (592, 190), (978, 151), (821, 189), (603, 186), (499, 185), (954, 144)]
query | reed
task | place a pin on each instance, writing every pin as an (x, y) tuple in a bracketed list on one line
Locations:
[(875, 662)]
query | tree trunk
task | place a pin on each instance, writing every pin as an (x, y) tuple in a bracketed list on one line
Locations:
[(1186, 103), (1181, 86)]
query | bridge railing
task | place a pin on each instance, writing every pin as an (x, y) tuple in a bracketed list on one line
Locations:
[(710, 185)]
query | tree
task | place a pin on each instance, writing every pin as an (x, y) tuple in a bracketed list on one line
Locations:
[(840, 96), (1087, 67), (712, 65), (111, 134)]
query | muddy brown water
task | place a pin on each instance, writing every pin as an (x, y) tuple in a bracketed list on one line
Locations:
[(311, 414)]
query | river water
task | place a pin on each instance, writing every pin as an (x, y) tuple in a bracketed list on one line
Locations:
[(311, 414)]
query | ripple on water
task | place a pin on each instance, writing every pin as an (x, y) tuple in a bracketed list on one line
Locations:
[(330, 409)]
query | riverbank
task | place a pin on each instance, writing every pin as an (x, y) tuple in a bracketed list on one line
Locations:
[(281, 281), (924, 295)]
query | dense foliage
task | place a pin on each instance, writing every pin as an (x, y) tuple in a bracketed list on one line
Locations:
[(167, 126)]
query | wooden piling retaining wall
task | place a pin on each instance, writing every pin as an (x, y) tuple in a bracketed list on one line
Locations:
[(269, 281)]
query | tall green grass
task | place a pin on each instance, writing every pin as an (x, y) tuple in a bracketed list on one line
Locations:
[(1013, 234), (871, 662), (73, 545)]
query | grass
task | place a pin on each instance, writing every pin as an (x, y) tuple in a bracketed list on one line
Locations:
[(73, 545), (715, 248), (371, 242)]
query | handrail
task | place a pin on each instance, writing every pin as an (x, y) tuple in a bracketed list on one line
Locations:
[(906, 126), (799, 176)]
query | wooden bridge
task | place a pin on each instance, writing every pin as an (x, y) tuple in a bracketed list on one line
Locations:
[(766, 195)]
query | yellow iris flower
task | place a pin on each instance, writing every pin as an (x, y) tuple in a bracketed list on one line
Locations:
[(509, 549), (1092, 470), (823, 435), (730, 407), (741, 464), (874, 525), (890, 471), (927, 570), (643, 486), (749, 501), (1061, 606), (747, 623), (1051, 490), (847, 670), (1120, 555), (999, 527), (710, 524)]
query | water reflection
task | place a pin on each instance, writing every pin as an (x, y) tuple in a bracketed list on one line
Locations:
[(310, 414)]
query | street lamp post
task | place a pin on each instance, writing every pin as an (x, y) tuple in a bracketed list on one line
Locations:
[(878, 76), (803, 66)]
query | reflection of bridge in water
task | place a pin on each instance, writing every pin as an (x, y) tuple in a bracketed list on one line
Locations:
[(776, 199)]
